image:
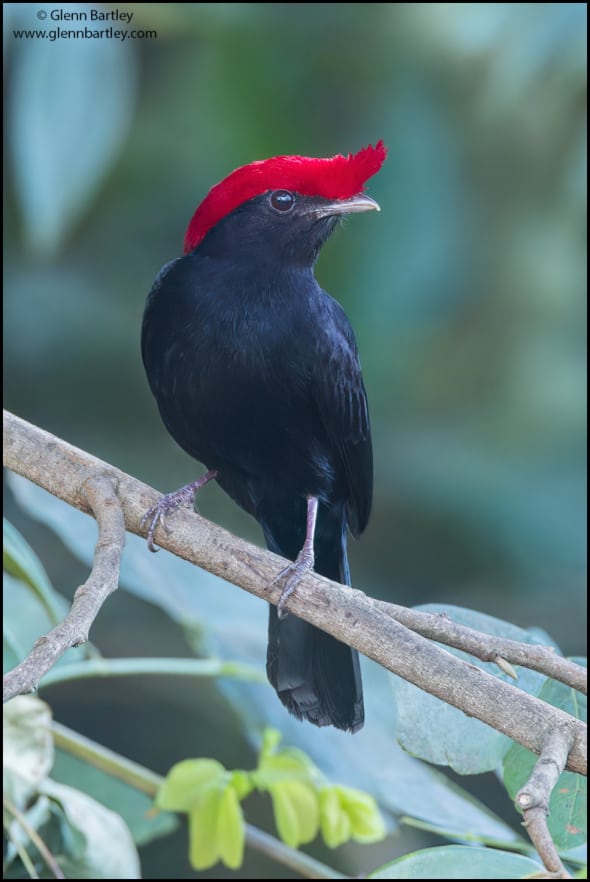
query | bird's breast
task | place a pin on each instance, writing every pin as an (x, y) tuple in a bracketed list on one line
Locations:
[(232, 373)]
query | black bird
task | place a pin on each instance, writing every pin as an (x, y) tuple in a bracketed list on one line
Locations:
[(256, 374)]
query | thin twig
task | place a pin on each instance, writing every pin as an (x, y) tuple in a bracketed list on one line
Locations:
[(99, 493), (533, 800), (488, 648), (20, 850), (152, 667), (34, 837)]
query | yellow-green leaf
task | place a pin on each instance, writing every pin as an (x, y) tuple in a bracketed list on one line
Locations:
[(334, 822), (296, 811), (187, 782), (230, 829), (276, 767), (241, 783), (216, 829), (203, 825), (366, 822)]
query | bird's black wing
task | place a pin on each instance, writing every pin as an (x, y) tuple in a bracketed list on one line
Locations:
[(341, 400)]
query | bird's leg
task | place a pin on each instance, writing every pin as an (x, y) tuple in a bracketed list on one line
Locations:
[(171, 501), (304, 561)]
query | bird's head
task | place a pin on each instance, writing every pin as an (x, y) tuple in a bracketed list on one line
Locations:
[(289, 204)]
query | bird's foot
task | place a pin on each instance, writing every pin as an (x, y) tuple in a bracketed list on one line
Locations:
[(292, 576), (170, 502)]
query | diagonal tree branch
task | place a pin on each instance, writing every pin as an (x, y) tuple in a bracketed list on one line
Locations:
[(341, 611)]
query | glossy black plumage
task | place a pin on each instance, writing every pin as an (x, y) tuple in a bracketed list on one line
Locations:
[(256, 374)]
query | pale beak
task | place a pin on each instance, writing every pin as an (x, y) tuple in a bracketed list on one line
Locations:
[(360, 202)]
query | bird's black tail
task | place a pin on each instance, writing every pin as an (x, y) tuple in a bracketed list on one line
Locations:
[(316, 677)]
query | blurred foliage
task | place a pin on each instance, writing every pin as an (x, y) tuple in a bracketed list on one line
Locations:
[(459, 862), (84, 839), (304, 804), (198, 602), (303, 800), (467, 291)]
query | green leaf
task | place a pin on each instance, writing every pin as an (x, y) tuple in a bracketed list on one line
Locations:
[(434, 731), (100, 845), (578, 856), (20, 561), (216, 829), (203, 850), (346, 813), (296, 811), (133, 806), (458, 862), (38, 815), (87, 840), (69, 117), (568, 814), (13, 650), (365, 818), (28, 747), (275, 766), (275, 769), (188, 782), (334, 823), (25, 620), (231, 832)]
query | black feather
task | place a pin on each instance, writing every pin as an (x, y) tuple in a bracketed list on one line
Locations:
[(256, 374)]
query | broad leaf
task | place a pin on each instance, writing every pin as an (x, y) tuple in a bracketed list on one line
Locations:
[(216, 829), (68, 119), (347, 813), (134, 807), (432, 730), (104, 847), (25, 620), (296, 811), (187, 783), (20, 561), (28, 747), (459, 862)]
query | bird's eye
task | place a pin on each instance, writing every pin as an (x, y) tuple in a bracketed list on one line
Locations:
[(282, 200)]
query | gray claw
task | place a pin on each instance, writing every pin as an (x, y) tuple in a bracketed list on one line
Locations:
[(294, 572), (153, 516), (157, 513)]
